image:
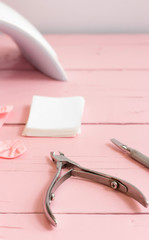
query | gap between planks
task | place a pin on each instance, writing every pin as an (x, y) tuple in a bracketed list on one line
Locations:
[(76, 213), (90, 123), (81, 69)]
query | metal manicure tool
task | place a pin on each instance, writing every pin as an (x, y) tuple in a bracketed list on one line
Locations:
[(76, 170), (132, 152)]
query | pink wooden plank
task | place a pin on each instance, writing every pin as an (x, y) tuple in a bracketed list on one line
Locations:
[(106, 39), (28, 177), (109, 98), (82, 145), (86, 226), (103, 57), (102, 51), (25, 191), (10, 55), (85, 39), (87, 52)]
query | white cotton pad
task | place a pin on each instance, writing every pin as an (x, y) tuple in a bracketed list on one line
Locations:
[(55, 117)]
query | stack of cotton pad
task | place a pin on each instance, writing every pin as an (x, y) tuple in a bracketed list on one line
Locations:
[(54, 117)]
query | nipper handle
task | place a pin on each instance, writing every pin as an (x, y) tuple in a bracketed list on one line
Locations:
[(76, 170)]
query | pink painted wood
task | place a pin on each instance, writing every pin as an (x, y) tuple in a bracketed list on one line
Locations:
[(111, 72), (74, 226), (110, 96), (35, 226), (87, 52)]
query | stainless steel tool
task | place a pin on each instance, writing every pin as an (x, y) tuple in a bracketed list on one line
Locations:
[(138, 156), (76, 170)]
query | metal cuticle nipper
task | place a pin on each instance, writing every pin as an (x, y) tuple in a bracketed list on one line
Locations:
[(76, 170)]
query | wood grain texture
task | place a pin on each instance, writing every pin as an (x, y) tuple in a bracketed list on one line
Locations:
[(35, 168), (111, 72), (86, 52), (35, 226), (110, 97)]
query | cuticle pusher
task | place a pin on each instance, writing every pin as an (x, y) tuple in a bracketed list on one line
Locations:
[(133, 153)]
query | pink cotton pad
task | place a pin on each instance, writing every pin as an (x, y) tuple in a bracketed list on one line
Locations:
[(5, 109), (4, 113), (11, 148)]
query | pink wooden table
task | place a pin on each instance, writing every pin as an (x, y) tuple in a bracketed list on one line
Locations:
[(112, 73)]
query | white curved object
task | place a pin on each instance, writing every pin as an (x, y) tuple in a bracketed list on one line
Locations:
[(31, 42)]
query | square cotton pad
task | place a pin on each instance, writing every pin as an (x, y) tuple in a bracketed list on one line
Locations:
[(54, 117)]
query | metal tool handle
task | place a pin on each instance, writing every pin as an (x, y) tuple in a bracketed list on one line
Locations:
[(76, 170), (140, 157), (108, 180), (133, 153)]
